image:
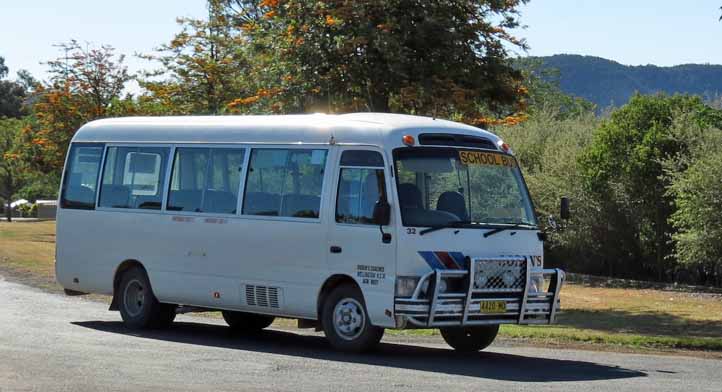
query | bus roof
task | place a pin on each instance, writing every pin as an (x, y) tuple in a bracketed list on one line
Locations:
[(378, 129)]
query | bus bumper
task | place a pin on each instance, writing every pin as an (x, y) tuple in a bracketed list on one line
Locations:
[(466, 302)]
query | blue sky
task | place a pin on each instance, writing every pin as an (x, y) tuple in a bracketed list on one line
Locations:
[(661, 32), (632, 32)]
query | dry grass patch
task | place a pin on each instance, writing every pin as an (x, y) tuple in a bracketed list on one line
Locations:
[(645, 312), (27, 251)]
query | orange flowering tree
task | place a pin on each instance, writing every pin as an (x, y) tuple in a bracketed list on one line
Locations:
[(446, 58), (85, 84), (202, 69)]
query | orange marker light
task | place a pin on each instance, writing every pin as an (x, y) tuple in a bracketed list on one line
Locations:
[(504, 147), (409, 140)]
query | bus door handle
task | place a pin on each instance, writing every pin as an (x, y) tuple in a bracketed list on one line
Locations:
[(336, 249)]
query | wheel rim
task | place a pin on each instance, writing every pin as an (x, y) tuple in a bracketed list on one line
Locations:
[(348, 319), (134, 298)]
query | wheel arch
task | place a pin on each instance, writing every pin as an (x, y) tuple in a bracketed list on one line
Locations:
[(331, 283), (117, 276)]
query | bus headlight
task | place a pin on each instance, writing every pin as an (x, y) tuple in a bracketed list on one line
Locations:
[(405, 285), (480, 280), (536, 283), (443, 286)]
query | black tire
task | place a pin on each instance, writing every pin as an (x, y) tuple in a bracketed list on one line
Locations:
[(247, 322), (354, 333), (138, 306), (470, 339), (166, 316)]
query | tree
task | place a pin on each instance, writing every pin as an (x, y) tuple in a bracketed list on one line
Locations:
[(436, 58), (85, 84), (12, 94), (624, 171), (696, 188), (3, 68), (698, 197), (13, 169), (203, 67), (95, 74), (27, 81), (548, 147)]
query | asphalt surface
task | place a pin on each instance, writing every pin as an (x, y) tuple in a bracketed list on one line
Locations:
[(55, 343)]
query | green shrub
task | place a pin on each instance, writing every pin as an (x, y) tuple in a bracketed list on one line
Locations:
[(548, 150), (624, 172), (696, 187)]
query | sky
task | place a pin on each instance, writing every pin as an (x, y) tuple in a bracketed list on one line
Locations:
[(30, 28), (632, 32)]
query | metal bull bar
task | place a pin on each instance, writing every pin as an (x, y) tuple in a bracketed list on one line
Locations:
[(497, 290)]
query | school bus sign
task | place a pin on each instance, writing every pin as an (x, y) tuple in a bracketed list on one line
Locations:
[(485, 158)]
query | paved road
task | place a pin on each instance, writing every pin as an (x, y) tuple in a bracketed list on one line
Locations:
[(50, 342)]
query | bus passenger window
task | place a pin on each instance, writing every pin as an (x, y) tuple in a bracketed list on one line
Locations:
[(133, 177), (206, 180), (285, 182), (81, 177)]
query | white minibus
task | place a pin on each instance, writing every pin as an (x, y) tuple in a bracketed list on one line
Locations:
[(350, 224)]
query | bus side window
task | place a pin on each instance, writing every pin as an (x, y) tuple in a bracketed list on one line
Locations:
[(81, 177), (285, 182), (205, 180), (133, 177), (360, 186)]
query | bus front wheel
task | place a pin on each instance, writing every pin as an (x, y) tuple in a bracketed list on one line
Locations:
[(346, 323), (470, 339), (139, 307)]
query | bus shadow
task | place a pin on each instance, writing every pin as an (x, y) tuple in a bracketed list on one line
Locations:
[(489, 365)]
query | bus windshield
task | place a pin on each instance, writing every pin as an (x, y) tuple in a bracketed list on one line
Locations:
[(442, 186)]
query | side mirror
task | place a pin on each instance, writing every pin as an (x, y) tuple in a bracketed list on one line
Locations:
[(564, 208), (382, 212)]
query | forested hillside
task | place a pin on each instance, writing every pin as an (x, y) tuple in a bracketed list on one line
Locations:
[(605, 82)]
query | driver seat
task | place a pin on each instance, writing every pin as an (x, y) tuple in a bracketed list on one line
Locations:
[(410, 196), (453, 202)]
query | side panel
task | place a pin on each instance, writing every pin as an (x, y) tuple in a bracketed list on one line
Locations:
[(203, 259), (215, 260), (82, 261)]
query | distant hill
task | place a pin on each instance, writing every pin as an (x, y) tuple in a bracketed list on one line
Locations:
[(608, 83)]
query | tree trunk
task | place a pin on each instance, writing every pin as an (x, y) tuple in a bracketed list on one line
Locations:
[(8, 211), (379, 102), (378, 98), (661, 251)]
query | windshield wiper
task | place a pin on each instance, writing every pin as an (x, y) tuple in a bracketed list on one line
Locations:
[(449, 225), (510, 227)]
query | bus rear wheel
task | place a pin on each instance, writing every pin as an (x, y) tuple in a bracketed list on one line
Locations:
[(139, 307), (470, 339), (346, 323), (246, 322)]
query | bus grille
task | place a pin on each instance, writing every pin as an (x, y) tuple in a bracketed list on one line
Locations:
[(262, 296), (500, 275)]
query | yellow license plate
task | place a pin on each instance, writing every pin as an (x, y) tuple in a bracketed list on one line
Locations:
[(492, 306)]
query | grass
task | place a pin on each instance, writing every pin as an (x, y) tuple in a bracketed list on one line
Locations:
[(27, 252), (594, 317)]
